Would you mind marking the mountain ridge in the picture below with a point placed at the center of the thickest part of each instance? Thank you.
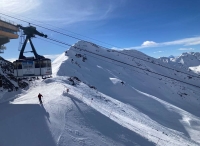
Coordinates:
(108, 103)
(187, 61)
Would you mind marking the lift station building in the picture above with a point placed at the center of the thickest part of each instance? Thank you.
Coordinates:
(8, 30)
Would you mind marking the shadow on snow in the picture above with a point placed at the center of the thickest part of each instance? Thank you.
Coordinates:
(24, 124)
(109, 128)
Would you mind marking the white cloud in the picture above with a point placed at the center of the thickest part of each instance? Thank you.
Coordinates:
(59, 12)
(18, 6)
(73, 11)
(196, 42)
(186, 49)
(185, 42)
(158, 52)
(149, 44)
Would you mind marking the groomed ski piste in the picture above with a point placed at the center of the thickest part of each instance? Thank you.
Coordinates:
(108, 103)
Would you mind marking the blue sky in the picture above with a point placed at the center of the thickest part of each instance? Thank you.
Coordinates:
(157, 27)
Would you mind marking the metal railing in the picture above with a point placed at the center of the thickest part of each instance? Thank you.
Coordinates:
(8, 21)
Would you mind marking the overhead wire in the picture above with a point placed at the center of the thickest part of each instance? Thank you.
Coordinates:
(41, 26)
(123, 62)
(102, 46)
(50, 42)
(95, 53)
(123, 66)
(101, 59)
(44, 27)
(63, 30)
(120, 66)
(122, 52)
(137, 71)
(113, 60)
(158, 64)
(152, 62)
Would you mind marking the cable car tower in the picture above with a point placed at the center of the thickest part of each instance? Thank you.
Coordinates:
(31, 66)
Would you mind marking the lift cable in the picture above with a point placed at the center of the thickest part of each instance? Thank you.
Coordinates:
(150, 62)
(62, 29)
(102, 46)
(50, 42)
(137, 71)
(122, 62)
(117, 65)
(42, 27)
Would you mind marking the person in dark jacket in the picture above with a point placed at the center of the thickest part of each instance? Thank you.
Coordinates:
(40, 98)
(67, 90)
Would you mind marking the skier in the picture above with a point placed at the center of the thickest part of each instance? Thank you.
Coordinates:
(67, 90)
(39, 97)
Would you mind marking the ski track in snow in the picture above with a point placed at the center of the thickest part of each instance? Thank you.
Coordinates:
(136, 121)
(121, 113)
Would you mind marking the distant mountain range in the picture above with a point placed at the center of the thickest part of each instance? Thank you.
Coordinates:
(189, 61)
(171, 56)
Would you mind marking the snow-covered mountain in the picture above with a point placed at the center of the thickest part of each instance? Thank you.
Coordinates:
(171, 56)
(117, 102)
(9, 83)
(189, 61)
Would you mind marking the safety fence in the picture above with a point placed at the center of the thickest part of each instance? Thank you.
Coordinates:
(7, 20)
(112, 115)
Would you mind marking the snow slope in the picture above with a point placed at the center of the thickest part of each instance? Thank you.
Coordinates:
(9, 83)
(108, 103)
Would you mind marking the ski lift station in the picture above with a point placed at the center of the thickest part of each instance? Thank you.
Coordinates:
(8, 30)
(31, 66)
(24, 66)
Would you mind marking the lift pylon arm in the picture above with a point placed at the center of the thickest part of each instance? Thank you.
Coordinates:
(31, 31)
(31, 66)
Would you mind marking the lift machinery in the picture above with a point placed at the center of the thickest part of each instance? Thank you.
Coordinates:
(31, 66)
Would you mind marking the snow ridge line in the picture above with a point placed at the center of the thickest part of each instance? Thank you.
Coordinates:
(134, 66)
(168, 105)
(115, 116)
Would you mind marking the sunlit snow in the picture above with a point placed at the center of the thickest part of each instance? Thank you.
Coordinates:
(108, 103)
